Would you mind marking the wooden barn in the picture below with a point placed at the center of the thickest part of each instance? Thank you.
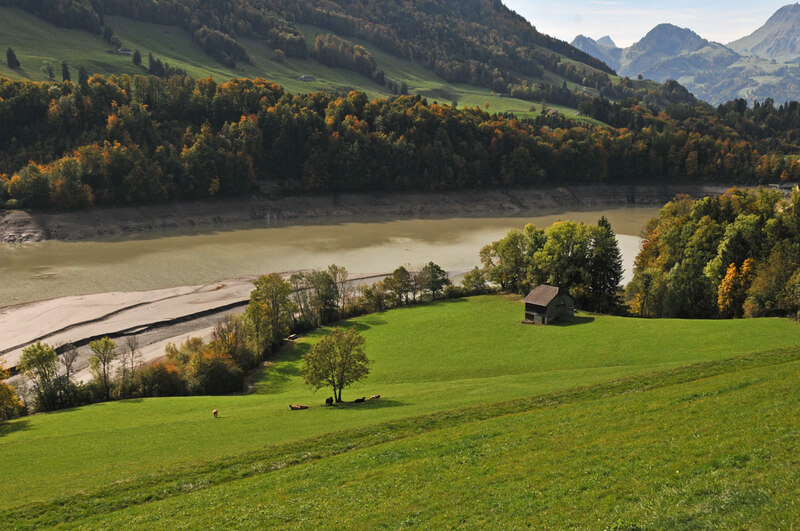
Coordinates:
(544, 304)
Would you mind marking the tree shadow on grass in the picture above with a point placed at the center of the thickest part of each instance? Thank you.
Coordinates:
(363, 324)
(9, 427)
(571, 321)
(380, 403)
(277, 375)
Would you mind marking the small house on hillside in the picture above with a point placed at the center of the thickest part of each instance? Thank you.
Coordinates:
(546, 303)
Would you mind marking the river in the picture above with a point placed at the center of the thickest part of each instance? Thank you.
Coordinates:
(48, 269)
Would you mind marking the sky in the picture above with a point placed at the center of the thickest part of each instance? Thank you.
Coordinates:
(627, 21)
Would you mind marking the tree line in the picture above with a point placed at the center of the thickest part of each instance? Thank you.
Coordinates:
(736, 255)
(143, 139)
(277, 308)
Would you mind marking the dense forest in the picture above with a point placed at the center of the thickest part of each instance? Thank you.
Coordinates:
(145, 139)
(737, 255)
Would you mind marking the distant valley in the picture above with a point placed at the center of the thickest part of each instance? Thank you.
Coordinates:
(764, 64)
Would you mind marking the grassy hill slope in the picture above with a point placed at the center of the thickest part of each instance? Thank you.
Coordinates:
(36, 41)
(428, 359)
(689, 455)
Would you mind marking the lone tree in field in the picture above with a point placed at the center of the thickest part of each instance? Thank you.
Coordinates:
(100, 363)
(136, 58)
(11, 59)
(336, 361)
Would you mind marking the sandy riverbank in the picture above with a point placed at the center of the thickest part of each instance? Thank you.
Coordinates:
(156, 317)
(111, 223)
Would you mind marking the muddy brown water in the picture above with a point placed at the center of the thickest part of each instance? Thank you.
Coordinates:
(50, 269)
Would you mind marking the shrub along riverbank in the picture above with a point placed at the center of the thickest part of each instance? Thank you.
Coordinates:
(239, 343)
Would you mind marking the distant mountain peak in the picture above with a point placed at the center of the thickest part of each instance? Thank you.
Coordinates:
(778, 38)
(789, 10)
(669, 40)
(600, 50)
(606, 41)
(710, 70)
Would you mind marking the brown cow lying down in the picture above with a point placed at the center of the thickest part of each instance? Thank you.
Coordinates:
(374, 397)
(295, 407)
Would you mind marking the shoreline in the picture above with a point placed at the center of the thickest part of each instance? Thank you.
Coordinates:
(156, 316)
(109, 224)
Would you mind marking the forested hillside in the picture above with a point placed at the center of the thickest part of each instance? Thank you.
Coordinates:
(174, 134)
(478, 42)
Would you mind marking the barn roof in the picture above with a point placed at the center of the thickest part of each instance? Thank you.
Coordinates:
(542, 295)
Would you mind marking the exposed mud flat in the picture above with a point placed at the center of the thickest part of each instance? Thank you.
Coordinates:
(115, 223)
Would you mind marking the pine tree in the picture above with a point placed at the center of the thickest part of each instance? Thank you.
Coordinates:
(65, 75)
(83, 76)
(11, 59)
(137, 58)
(606, 269)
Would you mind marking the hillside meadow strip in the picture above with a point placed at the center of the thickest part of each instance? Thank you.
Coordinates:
(474, 353)
(574, 454)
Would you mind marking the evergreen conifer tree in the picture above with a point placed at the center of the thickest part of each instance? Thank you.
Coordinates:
(83, 76)
(65, 75)
(11, 59)
(606, 268)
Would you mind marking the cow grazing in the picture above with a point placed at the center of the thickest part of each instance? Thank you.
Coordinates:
(359, 400)
(215, 413)
(296, 407)
(374, 397)
(329, 401)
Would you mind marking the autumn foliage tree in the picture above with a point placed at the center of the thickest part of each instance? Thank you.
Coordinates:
(732, 290)
(732, 255)
(10, 405)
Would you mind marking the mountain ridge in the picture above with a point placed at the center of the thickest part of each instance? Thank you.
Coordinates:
(778, 38)
(762, 65)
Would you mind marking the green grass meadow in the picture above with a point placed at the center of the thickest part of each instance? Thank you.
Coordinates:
(36, 41)
(446, 372)
(719, 452)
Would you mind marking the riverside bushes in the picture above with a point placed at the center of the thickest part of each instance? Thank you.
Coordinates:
(238, 344)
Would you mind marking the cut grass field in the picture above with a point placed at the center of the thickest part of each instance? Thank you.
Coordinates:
(36, 41)
(713, 452)
(448, 366)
